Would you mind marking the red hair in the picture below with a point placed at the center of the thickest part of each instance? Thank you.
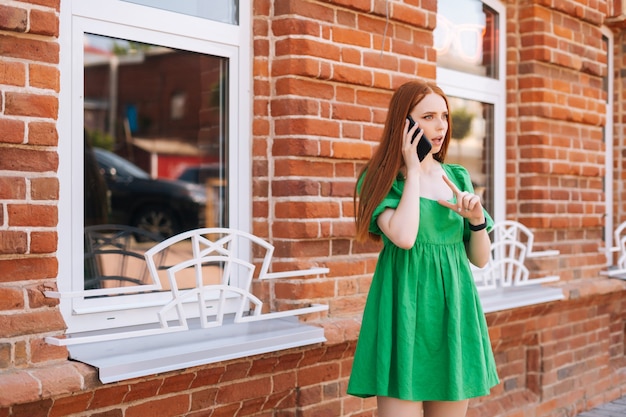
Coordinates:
(382, 169)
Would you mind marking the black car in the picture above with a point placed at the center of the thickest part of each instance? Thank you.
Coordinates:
(166, 207)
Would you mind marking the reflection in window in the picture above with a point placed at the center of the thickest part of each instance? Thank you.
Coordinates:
(225, 11)
(466, 37)
(472, 144)
(155, 152)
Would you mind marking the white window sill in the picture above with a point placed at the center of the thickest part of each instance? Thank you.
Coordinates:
(513, 297)
(131, 358)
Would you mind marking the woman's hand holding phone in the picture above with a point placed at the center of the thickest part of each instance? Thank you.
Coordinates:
(423, 146)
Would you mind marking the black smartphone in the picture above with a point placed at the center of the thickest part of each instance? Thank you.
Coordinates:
(424, 146)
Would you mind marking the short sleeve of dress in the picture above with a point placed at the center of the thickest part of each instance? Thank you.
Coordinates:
(391, 200)
(462, 179)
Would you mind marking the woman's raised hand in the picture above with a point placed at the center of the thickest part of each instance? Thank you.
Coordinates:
(468, 205)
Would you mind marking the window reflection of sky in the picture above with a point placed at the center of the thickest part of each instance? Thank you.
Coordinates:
(219, 10)
(460, 28)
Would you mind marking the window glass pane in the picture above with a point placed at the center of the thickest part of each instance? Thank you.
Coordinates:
(466, 37)
(472, 144)
(155, 152)
(226, 11)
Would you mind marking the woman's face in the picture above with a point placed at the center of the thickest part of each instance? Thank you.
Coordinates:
(431, 114)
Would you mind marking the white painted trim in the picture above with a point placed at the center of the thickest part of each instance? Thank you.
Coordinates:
(145, 24)
(490, 91)
(609, 144)
(117, 361)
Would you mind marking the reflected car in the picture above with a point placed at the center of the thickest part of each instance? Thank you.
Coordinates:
(200, 174)
(161, 206)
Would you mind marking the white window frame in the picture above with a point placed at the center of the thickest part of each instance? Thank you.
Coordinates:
(490, 91)
(609, 152)
(155, 26)
(493, 91)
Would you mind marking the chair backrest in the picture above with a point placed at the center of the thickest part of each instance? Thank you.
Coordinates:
(196, 245)
(114, 258)
(507, 255)
(512, 231)
(508, 272)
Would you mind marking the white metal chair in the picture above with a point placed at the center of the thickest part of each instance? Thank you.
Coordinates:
(219, 247)
(617, 270)
(512, 246)
(198, 253)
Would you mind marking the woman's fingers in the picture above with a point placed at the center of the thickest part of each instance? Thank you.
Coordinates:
(465, 202)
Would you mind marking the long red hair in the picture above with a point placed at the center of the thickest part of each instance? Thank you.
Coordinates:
(384, 166)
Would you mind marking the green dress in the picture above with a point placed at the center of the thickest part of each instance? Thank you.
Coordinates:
(424, 335)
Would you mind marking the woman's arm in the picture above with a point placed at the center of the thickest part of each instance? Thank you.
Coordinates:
(479, 245)
(401, 224)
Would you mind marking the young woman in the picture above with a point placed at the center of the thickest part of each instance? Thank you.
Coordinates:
(424, 345)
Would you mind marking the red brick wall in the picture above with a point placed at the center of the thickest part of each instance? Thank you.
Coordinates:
(321, 86)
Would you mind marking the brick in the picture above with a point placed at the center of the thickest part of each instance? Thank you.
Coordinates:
(44, 188)
(12, 73)
(18, 387)
(5, 356)
(30, 49)
(306, 209)
(43, 242)
(21, 356)
(176, 383)
(110, 413)
(108, 396)
(32, 215)
(13, 242)
(53, 4)
(31, 323)
(37, 408)
(318, 373)
(41, 352)
(208, 377)
(44, 23)
(12, 188)
(302, 126)
(203, 399)
(18, 159)
(352, 150)
(42, 133)
(236, 370)
(13, 19)
(71, 405)
(244, 389)
(305, 290)
(44, 76)
(296, 230)
(37, 298)
(142, 390)
(11, 131)
(11, 298)
(32, 268)
(58, 380)
(32, 105)
(162, 407)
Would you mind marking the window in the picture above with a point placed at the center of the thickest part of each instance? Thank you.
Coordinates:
(156, 119)
(470, 68)
(471, 62)
(157, 106)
